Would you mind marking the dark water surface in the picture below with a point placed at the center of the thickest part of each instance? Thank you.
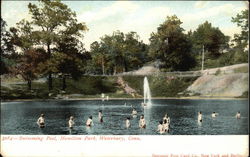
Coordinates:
(21, 117)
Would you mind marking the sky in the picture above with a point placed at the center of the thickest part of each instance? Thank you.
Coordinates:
(143, 17)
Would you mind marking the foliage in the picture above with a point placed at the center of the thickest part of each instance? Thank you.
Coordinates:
(213, 40)
(171, 46)
(28, 64)
(118, 52)
(55, 24)
(242, 21)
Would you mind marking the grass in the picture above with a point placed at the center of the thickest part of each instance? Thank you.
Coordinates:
(93, 86)
(243, 69)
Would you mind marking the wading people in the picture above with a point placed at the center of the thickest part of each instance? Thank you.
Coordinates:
(100, 116)
(71, 122)
(127, 122)
(165, 117)
(214, 114)
(142, 122)
(41, 121)
(237, 115)
(166, 126)
(199, 116)
(160, 128)
(89, 122)
(134, 112)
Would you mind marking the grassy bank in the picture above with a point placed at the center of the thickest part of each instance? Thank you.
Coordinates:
(93, 86)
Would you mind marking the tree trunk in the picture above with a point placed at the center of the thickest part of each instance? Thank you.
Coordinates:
(64, 82)
(50, 75)
(103, 70)
(29, 84)
(114, 70)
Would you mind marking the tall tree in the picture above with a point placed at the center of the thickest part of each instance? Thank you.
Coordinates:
(242, 21)
(28, 64)
(170, 45)
(51, 19)
(118, 52)
(8, 55)
(213, 40)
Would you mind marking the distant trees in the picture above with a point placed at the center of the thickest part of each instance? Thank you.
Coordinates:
(118, 52)
(241, 40)
(241, 20)
(51, 43)
(171, 46)
(213, 40)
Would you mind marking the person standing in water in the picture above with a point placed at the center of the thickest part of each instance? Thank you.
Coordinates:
(134, 112)
(71, 122)
(166, 126)
(100, 116)
(160, 128)
(89, 122)
(165, 117)
(237, 115)
(41, 121)
(199, 116)
(127, 122)
(213, 115)
(142, 122)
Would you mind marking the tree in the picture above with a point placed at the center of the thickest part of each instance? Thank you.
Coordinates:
(170, 45)
(118, 52)
(213, 40)
(63, 65)
(8, 54)
(52, 20)
(242, 21)
(28, 64)
(242, 39)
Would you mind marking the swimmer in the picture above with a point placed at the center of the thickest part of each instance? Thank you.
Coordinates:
(127, 122)
(134, 112)
(71, 122)
(166, 126)
(165, 117)
(237, 115)
(41, 121)
(100, 116)
(142, 122)
(143, 104)
(89, 122)
(160, 128)
(213, 115)
(199, 116)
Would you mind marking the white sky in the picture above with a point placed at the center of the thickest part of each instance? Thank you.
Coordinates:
(143, 17)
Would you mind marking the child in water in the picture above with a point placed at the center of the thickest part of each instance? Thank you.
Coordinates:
(127, 122)
(100, 116)
(142, 122)
(41, 121)
(214, 114)
(166, 126)
(71, 122)
(199, 116)
(134, 112)
(89, 122)
(160, 128)
(237, 115)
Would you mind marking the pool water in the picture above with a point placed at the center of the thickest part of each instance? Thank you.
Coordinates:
(20, 117)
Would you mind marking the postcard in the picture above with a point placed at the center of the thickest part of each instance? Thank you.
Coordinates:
(124, 78)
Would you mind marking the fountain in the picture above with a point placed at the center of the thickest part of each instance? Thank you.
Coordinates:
(146, 93)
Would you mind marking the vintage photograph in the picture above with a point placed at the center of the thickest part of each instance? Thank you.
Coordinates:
(124, 68)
